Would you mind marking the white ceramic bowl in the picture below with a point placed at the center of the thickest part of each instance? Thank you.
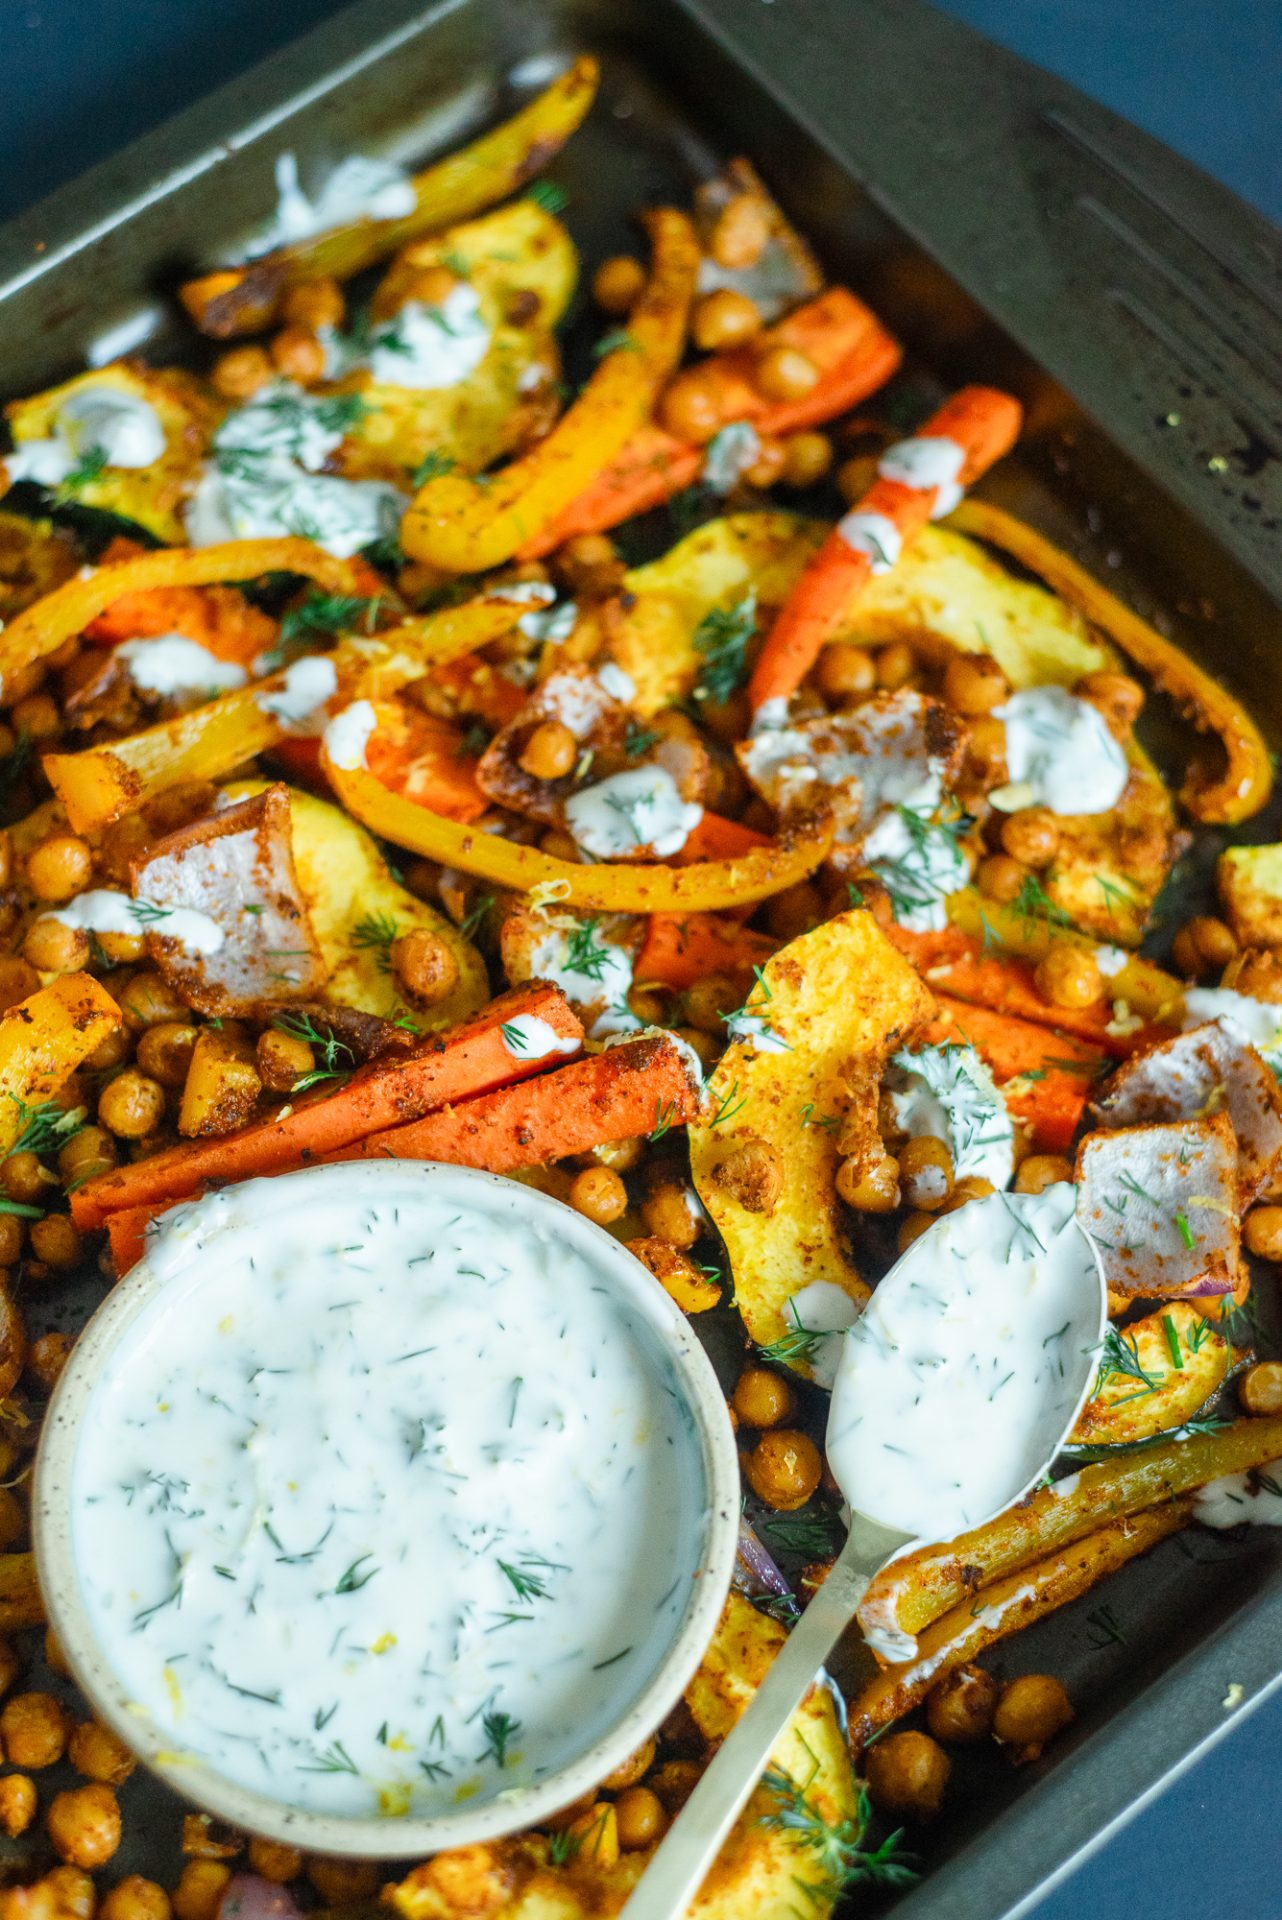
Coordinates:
(655, 1323)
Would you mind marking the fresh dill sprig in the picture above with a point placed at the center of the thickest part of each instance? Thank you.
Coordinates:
(835, 1847)
(638, 739)
(356, 1576)
(333, 1759)
(500, 1731)
(301, 1026)
(664, 1119)
(546, 194)
(45, 1126)
(1120, 1359)
(91, 466)
(721, 640)
(325, 614)
(1032, 903)
(470, 924)
(376, 932)
(617, 340)
(730, 1104)
(584, 953)
(433, 466)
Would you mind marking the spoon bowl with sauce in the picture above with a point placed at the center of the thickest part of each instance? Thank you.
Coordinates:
(954, 1392)
(385, 1507)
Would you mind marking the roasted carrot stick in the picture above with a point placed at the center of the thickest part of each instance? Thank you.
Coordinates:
(716, 838)
(679, 949)
(1045, 1077)
(626, 1091)
(450, 1066)
(854, 354)
(126, 1232)
(984, 425)
(424, 758)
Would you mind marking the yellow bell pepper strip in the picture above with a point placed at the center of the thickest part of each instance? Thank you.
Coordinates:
(1247, 779)
(245, 299)
(464, 526)
(42, 1042)
(41, 628)
(1007, 1607)
(609, 888)
(917, 1588)
(1147, 989)
(210, 741)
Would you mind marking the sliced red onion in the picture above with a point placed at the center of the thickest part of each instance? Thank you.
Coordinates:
(755, 1571)
(247, 1896)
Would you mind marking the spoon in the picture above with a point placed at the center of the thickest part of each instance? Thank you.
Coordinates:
(954, 1392)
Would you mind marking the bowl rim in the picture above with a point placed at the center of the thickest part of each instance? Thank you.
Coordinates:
(368, 1837)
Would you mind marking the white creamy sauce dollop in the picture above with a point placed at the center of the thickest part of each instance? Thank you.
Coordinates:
(932, 460)
(105, 910)
(872, 534)
(728, 455)
(357, 188)
(920, 863)
(962, 1373)
(299, 703)
(1060, 750)
(1242, 1499)
(822, 1308)
(529, 1038)
(386, 1512)
(754, 1030)
(121, 428)
(949, 1092)
(169, 664)
(590, 970)
(428, 347)
(638, 809)
(1259, 1022)
(348, 735)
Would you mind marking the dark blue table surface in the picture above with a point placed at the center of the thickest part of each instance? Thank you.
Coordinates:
(77, 81)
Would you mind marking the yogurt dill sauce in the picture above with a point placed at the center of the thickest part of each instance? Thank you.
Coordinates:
(971, 1359)
(380, 1510)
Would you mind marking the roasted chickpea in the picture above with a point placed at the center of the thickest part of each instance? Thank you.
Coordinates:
(724, 319)
(926, 1172)
(1069, 976)
(54, 947)
(912, 1226)
(24, 1177)
(693, 1290)
(907, 1774)
(634, 1768)
(88, 1152)
(591, 566)
(752, 1174)
(870, 1186)
(34, 1729)
(274, 1859)
(845, 671)
(200, 1889)
(763, 1398)
(784, 1468)
(18, 980)
(424, 964)
(960, 1707)
(550, 752)
(430, 286)
(1031, 1711)
(701, 1044)
(1031, 835)
(1001, 878)
(671, 1213)
(1262, 1230)
(149, 999)
(314, 303)
(640, 1817)
(134, 1898)
(85, 1824)
(674, 1782)
(785, 373)
(986, 752)
(806, 458)
(164, 1051)
(709, 999)
(132, 1105)
(56, 1241)
(1203, 946)
(298, 355)
(768, 465)
(599, 1194)
(974, 684)
(38, 716)
(740, 232)
(17, 1803)
(972, 1186)
(1118, 698)
(11, 1230)
(1041, 1170)
(649, 1004)
(896, 664)
(691, 407)
(59, 868)
(239, 374)
(1260, 1388)
(95, 1751)
(342, 1882)
(617, 282)
(46, 1358)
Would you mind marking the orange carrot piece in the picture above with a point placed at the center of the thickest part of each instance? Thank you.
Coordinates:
(679, 949)
(616, 1095)
(716, 838)
(1044, 1076)
(469, 1059)
(845, 340)
(424, 758)
(126, 1234)
(984, 424)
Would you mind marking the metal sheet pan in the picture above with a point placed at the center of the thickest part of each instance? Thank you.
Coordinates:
(1008, 229)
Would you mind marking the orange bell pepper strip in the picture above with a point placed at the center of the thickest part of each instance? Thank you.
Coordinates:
(985, 425)
(245, 299)
(842, 337)
(1043, 1077)
(609, 887)
(464, 526)
(44, 1039)
(42, 627)
(210, 741)
(1247, 779)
